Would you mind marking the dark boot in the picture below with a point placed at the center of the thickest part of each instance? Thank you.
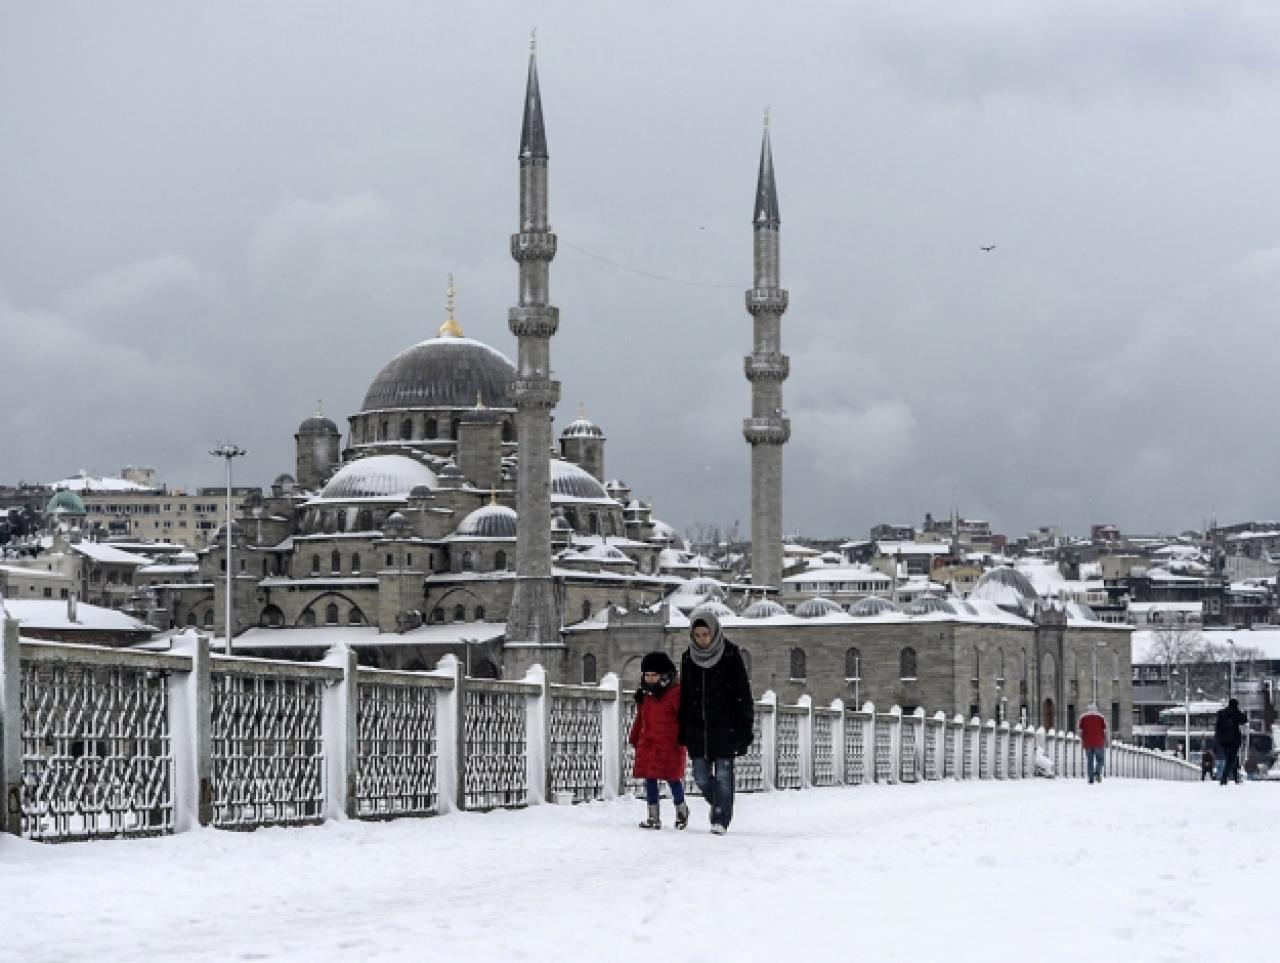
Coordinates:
(653, 821)
(682, 815)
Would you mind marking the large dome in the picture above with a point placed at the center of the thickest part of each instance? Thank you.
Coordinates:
(489, 521)
(568, 481)
(443, 372)
(1007, 588)
(378, 477)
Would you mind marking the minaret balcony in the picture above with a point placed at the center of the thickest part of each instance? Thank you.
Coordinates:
(533, 321)
(535, 392)
(533, 246)
(766, 300)
(766, 431)
(766, 366)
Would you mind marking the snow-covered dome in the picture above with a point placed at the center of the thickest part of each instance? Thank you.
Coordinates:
(450, 476)
(817, 607)
(718, 609)
(378, 476)
(606, 553)
(1078, 610)
(318, 424)
(1007, 588)
(581, 427)
(443, 372)
(489, 521)
(570, 481)
(703, 586)
(664, 532)
(872, 605)
(928, 604)
(763, 609)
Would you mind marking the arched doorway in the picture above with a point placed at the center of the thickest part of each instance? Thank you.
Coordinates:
(1047, 715)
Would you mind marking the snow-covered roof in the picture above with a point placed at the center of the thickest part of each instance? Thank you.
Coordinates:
(857, 573)
(100, 552)
(912, 548)
(52, 614)
(364, 636)
(85, 483)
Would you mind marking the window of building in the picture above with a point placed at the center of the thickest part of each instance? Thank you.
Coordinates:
(315, 564)
(355, 563)
(907, 663)
(853, 663)
(433, 428)
(437, 614)
(406, 429)
(408, 559)
(308, 618)
(459, 613)
(331, 614)
(588, 669)
(355, 617)
(335, 563)
(390, 560)
(468, 561)
(500, 560)
(798, 667)
(479, 616)
(586, 609)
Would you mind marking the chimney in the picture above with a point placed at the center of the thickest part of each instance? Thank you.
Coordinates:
(71, 607)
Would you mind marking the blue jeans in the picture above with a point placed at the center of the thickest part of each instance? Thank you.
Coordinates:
(651, 791)
(1094, 759)
(715, 778)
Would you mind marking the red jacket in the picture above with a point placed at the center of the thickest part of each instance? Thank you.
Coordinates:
(1093, 730)
(658, 754)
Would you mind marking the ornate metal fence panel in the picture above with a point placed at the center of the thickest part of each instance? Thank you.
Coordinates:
(494, 734)
(748, 770)
(949, 752)
(984, 755)
(999, 753)
(932, 728)
(1029, 756)
(883, 749)
(966, 770)
(631, 785)
(909, 751)
(396, 750)
(97, 759)
(788, 772)
(1013, 764)
(824, 766)
(576, 755)
(855, 754)
(267, 753)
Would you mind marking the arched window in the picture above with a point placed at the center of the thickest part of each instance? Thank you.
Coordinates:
(500, 560)
(315, 564)
(798, 667)
(459, 613)
(355, 563)
(907, 663)
(468, 561)
(586, 609)
(433, 428)
(595, 523)
(272, 616)
(264, 568)
(191, 618)
(365, 520)
(406, 429)
(484, 669)
(852, 663)
(331, 614)
(437, 614)
(355, 617)
(335, 563)
(479, 616)
(588, 669)
(508, 432)
(382, 430)
(208, 619)
(308, 618)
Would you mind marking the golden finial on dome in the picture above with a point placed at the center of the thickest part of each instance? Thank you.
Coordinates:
(450, 328)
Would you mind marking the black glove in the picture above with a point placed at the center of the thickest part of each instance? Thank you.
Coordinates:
(639, 696)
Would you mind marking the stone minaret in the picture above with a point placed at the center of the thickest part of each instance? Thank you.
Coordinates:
(767, 430)
(534, 617)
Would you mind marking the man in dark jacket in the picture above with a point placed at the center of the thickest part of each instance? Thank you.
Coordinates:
(717, 713)
(1226, 730)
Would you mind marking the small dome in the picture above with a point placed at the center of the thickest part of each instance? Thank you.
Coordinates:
(817, 607)
(379, 476)
(489, 521)
(284, 481)
(420, 491)
(570, 481)
(581, 427)
(561, 524)
(65, 503)
(718, 609)
(318, 424)
(1007, 588)
(704, 586)
(450, 476)
(763, 609)
(615, 485)
(444, 372)
(927, 604)
(872, 605)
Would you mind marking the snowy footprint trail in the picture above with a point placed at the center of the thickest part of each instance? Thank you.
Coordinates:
(941, 871)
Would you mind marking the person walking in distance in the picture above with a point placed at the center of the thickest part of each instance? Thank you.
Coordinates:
(1093, 738)
(717, 713)
(654, 734)
(1226, 730)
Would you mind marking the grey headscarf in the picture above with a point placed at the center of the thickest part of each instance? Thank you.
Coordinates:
(706, 658)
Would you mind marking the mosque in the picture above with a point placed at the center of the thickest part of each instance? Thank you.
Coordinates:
(449, 523)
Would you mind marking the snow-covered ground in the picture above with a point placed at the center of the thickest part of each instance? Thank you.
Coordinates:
(1031, 870)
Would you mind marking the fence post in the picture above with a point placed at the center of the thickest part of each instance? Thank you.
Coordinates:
(611, 736)
(11, 730)
(769, 740)
(340, 704)
(895, 745)
(537, 737)
(190, 715)
(451, 780)
(837, 742)
(805, 702)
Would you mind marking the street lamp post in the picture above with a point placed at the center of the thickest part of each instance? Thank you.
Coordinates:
(1095, 670)
(1186, 711)
(227, 452)
(1231, 683)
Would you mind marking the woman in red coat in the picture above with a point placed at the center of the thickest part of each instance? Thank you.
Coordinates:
(659, 754)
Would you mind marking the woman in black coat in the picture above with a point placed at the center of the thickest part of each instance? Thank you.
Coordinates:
(717, 713)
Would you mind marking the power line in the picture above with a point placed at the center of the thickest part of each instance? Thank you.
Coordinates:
(647, 274)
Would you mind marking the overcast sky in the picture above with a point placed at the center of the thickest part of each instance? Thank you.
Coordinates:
(213, 214)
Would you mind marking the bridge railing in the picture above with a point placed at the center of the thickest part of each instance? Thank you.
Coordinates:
(100, 742)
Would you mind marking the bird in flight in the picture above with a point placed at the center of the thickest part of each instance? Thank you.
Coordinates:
(988, 247)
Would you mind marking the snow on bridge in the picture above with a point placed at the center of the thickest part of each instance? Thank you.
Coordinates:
(976, 870)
